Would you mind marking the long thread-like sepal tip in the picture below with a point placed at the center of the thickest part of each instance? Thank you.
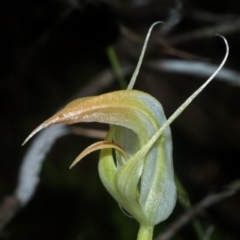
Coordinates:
(134, 76)
(33, 133)
(187, 102)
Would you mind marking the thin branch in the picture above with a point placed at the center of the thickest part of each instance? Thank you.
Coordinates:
(8, 208)
(32, 161)
(208, 201)
(208, 32)
(185, 202)
(196, 68)
(101, 82)
(29, 172)
(210, 17)
(87, 132)
(165, 46)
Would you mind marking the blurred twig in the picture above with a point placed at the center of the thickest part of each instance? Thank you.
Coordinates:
(92, 133)
(195, 68)
(32, 161)
(164, 44)
(8, 208)
(208, 32)
(211, 17)
(29, 172)
(208, 201)
(185, 201)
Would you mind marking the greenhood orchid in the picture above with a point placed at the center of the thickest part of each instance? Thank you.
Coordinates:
(135, 163)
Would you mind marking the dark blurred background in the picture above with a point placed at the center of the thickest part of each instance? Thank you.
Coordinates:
(51, 49)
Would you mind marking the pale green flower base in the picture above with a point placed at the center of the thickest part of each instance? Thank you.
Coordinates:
(145, 233)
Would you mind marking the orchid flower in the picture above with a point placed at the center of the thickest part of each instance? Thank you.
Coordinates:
(135, 163)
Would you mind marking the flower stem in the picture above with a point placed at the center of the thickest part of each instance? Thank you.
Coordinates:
(145, 233)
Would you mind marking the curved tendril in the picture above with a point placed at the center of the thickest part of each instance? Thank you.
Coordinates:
(134, 76)
(154, 138)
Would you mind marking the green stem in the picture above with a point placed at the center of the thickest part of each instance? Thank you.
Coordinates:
(116, 66)
(145, 233)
